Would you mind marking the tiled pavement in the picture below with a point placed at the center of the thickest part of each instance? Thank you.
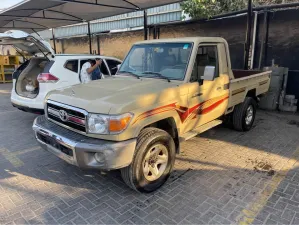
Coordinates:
(221, 177)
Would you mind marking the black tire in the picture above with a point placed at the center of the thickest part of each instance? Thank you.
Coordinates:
(133, 175)
(240, 112)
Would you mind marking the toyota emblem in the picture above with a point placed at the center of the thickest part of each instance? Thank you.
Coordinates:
(63, 115)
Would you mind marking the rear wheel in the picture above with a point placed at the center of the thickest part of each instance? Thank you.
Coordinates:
(244, 115)
(153, 161)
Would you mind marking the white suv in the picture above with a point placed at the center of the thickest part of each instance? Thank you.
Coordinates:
(47, 70)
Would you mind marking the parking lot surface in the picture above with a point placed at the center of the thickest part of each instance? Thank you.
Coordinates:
(220, 177)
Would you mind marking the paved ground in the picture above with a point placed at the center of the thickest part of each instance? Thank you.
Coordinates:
(222, 177)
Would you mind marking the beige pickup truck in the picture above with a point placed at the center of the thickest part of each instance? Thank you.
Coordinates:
(165, 92)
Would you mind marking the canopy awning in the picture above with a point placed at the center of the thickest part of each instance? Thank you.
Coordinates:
(39, 15)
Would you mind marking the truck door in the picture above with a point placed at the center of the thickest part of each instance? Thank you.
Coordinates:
(209, 86)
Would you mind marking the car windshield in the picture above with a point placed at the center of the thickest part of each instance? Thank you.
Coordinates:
(159, 60)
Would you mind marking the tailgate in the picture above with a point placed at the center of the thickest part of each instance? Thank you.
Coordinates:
(239, 87)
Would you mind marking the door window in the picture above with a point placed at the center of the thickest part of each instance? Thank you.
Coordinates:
(112, 64)
(103, 66)
(72, 65)
(207, 58)
(104, 69)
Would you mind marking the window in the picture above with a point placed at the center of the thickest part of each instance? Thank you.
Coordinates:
(112, 64)
(206, 57)
(103, 66)
(104, 69)
(72, 65)
(153, 60)
(82, 63)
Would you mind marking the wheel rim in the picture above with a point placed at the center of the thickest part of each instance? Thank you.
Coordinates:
(249, 115)
(155, 162)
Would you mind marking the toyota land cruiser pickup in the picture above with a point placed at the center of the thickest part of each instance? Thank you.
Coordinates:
(165, 91)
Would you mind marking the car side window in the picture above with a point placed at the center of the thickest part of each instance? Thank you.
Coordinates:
(112, 64)
(207, 56)
(72, 65)
(104, 69)
(103, 66)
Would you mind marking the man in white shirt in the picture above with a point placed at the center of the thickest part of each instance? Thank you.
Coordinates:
(88, 68)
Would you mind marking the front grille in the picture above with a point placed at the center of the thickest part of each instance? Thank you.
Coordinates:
(53, 143)
(66, 116)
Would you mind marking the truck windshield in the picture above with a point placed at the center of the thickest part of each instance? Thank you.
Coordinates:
(159, 60)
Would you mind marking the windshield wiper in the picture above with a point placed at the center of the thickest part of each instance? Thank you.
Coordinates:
(157, 74)
(131, 73)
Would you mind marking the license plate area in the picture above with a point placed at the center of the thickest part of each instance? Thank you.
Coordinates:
(53, 143)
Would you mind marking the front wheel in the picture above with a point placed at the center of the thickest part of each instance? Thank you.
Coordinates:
(244, 115)
(152, 162)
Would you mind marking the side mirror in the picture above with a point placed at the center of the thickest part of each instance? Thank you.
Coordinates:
(209, 73)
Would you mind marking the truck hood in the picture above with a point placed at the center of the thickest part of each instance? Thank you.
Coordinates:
(116, 95)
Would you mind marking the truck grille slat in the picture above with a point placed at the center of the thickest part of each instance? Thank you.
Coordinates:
(67, 116)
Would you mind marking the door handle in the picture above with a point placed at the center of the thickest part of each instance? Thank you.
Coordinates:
(196, 95)
(218, 88)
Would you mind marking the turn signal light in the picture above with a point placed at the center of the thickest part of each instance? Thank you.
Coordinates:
(118, 124)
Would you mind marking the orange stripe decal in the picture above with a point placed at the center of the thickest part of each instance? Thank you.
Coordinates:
(185, 112)
(212, 107)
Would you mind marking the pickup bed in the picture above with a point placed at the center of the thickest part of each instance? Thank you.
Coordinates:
(166, 91)
(247, 83)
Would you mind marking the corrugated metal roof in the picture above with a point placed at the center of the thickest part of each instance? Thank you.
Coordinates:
(167, 13)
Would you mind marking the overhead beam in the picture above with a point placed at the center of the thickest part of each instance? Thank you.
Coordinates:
(22, 21)
(49, 10)
(29, 28)
(67, 14)
(136, 6)
(40, 17)
(94, 4)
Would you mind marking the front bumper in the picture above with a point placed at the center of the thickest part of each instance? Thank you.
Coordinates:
(80, 150)
(28, 109)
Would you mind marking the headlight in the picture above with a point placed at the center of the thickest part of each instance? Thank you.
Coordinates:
(98, 124)
(105, 124)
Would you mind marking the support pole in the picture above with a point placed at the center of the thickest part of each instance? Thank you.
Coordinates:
(248, 36)
(98, 45)
(263, 39)
(266, 40)
(145, 24)
(89, 37)
(54, 40)
(254, 40)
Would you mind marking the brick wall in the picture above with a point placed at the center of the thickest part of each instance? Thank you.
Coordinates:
(114, 44)
(118, 44)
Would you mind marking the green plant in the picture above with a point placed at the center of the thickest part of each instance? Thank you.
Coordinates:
(198, 9)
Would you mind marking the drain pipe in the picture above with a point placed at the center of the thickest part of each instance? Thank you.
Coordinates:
(254, 40)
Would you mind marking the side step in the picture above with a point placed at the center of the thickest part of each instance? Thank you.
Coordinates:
(200, 130)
